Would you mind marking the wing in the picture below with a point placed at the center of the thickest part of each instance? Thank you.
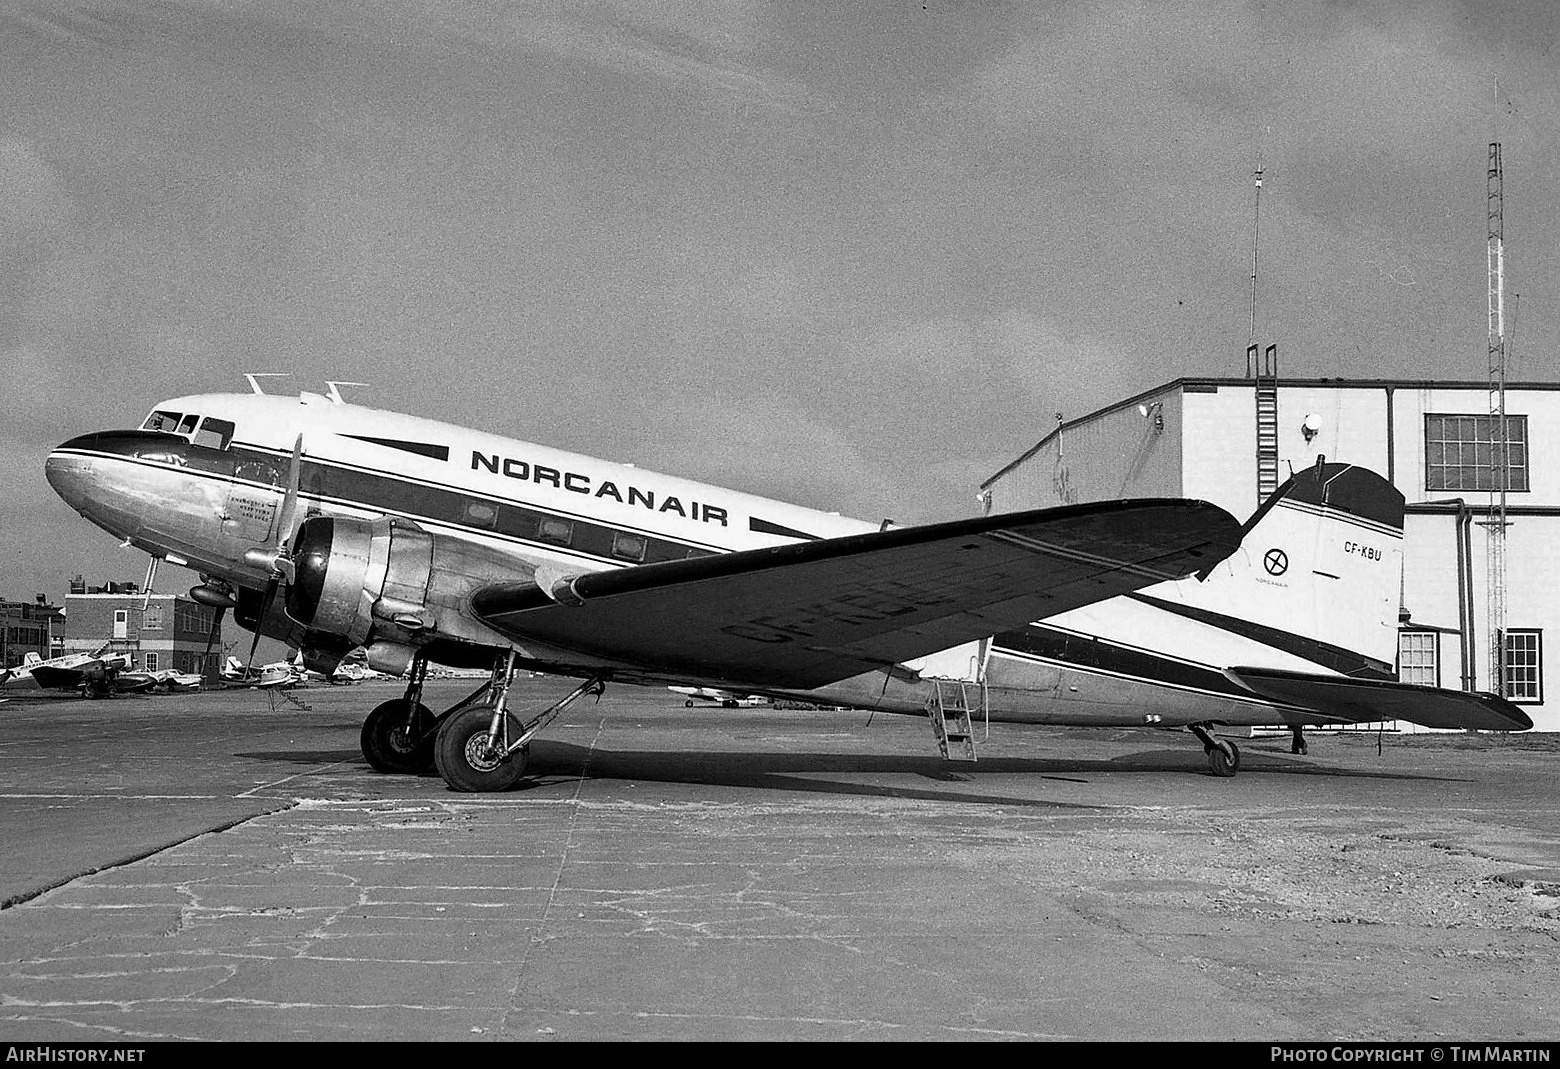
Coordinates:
(1366, 700)
(805, 614)
(55, 678)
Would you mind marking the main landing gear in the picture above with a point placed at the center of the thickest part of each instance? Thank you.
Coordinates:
(477, 745)
(1223, 755)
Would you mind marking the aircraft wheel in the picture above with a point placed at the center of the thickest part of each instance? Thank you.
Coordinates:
(465, 759)
(688, 704)
(1224, 758)
(390, 747)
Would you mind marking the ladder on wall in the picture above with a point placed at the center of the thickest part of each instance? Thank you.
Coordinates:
(1264, 370)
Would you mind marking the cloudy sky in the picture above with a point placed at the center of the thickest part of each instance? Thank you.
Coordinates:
(853, 255)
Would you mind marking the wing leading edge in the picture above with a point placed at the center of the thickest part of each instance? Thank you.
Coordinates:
(806, 614)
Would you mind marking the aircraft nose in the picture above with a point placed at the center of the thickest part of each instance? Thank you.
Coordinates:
(69, 471)
(87, 474)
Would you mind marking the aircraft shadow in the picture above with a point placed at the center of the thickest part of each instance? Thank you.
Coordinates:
(552, 761)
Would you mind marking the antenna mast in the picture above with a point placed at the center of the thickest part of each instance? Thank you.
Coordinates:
(1495, 541)
(1256, 234)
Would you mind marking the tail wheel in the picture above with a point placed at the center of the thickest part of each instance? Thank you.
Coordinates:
(1224, 758)
(467, 759)
(397, 740)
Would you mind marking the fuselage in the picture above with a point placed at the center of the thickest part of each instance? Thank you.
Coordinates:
(202, 480)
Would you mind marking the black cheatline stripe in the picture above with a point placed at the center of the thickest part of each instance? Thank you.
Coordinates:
(422, 449)
(371, 490)
(1343, 661)
(765, 527)
(1085, 652)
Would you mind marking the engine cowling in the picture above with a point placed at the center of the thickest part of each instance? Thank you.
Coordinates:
(390, 584)
(351, 575)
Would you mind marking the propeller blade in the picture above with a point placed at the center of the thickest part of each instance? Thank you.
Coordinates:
(211, 638)
(284, 523)
(265, 610)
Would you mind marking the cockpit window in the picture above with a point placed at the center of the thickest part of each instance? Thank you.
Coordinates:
(214, 433)
(211, 432)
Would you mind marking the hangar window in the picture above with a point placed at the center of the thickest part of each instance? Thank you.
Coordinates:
(1525, 666)
(1419, 660)
(1460, 453)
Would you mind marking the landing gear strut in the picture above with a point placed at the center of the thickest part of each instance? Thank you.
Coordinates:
(399, 735)
(485, 747)
(1223, 755)
(1298, 745)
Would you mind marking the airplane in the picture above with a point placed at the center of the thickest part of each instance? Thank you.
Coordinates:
(171, 680)
(331, 526)
(267, 676)
(729, 699)
(92, 672)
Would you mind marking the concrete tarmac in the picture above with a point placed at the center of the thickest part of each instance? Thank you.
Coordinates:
(225, 866)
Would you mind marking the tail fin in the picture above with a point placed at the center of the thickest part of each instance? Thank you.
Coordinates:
(32, 658)
(1318, 574)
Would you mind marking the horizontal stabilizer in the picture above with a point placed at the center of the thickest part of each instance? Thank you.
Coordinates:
(1368, 700)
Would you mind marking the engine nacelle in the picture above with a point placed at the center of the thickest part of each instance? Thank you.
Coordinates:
(388, 583)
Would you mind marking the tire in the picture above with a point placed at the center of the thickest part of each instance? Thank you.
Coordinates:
(387, 745)
(1224, 759)
(460, 753)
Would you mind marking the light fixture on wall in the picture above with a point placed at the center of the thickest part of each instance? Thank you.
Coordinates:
(1310, 427)
(1155, 409)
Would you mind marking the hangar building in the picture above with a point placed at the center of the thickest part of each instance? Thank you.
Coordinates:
(158, 631)
(1232, 441)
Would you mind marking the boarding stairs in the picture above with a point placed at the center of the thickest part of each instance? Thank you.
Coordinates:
(952, 709)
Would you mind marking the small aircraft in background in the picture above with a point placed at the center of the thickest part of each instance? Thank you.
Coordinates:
(172, 680)
(729, 699)
(93, 671)
(276, 674)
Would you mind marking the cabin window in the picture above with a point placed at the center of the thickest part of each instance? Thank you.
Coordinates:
(163, 421)
(258, 471)
(481, 513)
(214, 433)
(559, 532)
(627, 546)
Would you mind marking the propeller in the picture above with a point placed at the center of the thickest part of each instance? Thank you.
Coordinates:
(211, 638)
(278, 557)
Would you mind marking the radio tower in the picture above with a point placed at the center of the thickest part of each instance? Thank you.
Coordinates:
(1495, 540)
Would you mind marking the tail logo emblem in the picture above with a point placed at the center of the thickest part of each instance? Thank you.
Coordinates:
(1276, 561)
